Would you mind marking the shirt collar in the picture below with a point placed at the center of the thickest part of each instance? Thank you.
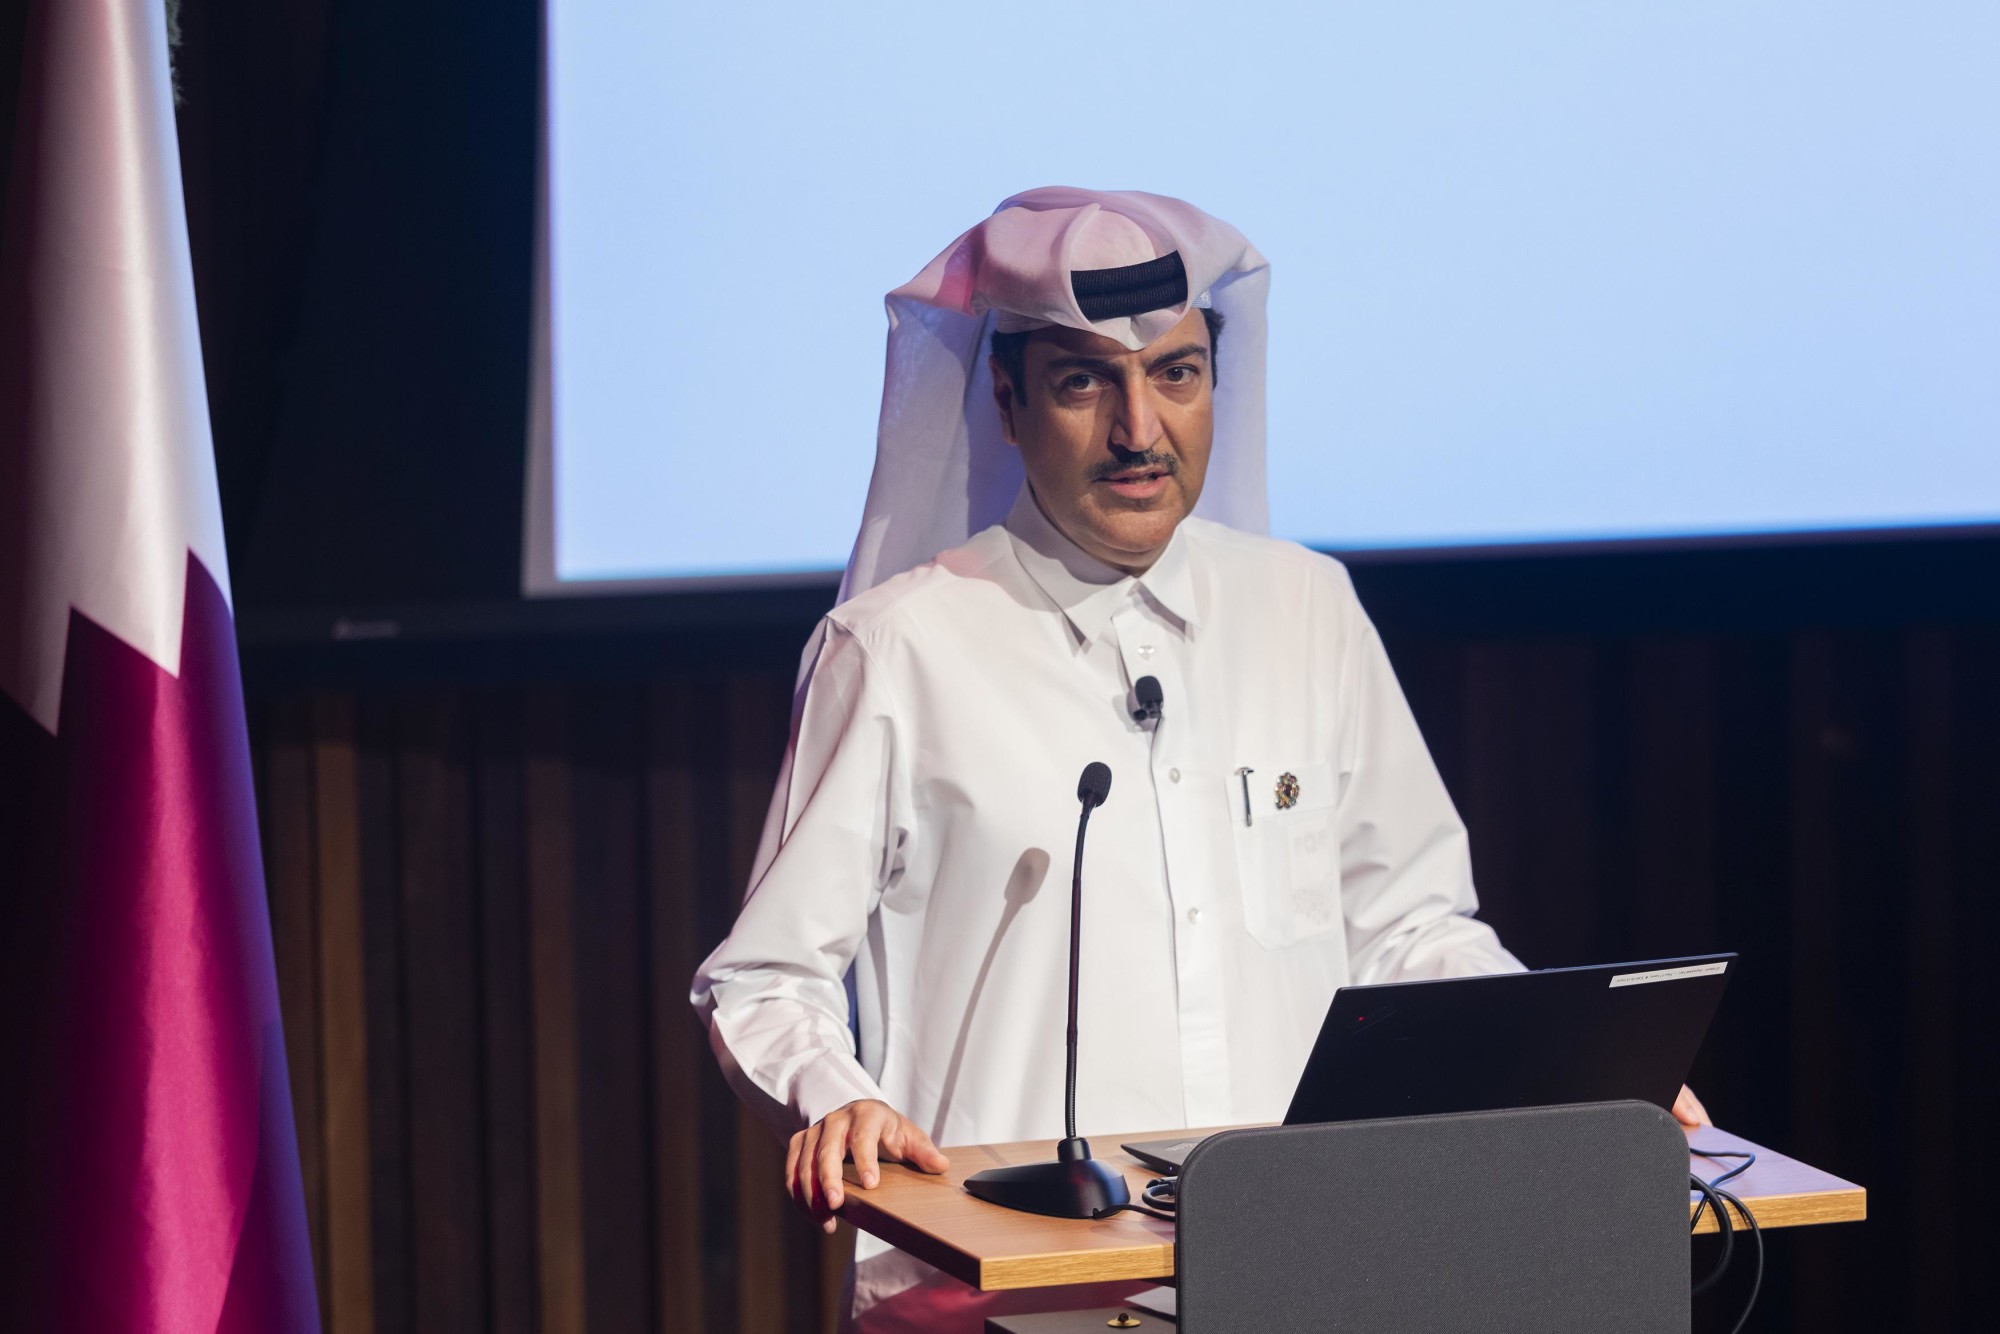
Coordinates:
(1087, 590)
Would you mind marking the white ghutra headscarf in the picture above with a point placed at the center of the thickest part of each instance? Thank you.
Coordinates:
(1122, 264)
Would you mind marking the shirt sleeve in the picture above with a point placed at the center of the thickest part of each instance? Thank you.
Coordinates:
(773, 993)
(1405, 864)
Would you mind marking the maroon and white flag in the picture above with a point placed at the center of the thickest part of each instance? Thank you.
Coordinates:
(149, 1173)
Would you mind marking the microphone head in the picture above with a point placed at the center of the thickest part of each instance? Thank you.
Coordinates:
(1095, 785)
(1147, 689)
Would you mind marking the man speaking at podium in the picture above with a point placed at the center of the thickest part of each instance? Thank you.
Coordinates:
(1069, 497)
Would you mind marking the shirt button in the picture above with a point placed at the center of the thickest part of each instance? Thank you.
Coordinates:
(1145, 650)
(1173, 775)
(1194, 916)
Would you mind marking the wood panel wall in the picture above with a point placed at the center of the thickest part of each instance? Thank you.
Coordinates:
(488, 902)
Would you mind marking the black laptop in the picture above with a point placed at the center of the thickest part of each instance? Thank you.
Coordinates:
(1469, 1044)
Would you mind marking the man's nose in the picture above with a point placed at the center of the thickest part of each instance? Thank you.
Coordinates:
(1137, 424)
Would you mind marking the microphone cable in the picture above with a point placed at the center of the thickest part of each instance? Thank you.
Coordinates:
(1749, 1161)
(1160, 1199)
(1712, 1193)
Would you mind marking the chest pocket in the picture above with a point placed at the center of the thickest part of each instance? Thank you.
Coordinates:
(1287, 852)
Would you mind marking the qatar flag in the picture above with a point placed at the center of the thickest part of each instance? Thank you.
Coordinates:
(149, 1175)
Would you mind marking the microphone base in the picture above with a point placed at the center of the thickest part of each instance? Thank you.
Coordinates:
(1080, 1188)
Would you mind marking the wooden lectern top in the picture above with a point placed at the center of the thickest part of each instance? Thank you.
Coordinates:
(993, 1248)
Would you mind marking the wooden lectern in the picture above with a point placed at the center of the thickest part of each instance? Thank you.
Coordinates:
(1538, 1218)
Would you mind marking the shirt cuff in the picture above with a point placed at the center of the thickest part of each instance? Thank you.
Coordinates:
(829, 1084)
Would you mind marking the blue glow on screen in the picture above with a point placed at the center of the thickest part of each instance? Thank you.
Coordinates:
(1541, 271)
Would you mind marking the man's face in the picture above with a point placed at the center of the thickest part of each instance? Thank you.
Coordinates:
(1115, 442)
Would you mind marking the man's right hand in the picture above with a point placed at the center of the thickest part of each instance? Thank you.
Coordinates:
(868, 1131)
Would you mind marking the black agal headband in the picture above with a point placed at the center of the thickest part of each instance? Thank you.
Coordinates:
(1108, 294)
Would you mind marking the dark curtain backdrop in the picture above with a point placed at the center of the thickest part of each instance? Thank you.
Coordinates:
(496, 852)
(487, 905)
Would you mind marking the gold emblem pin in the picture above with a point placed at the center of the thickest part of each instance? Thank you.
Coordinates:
(1288, 791)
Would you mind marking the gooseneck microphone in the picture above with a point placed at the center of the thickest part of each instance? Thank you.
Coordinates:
(1093, 785)
(1151, 699)
(1073, 1186)
(1091, 789)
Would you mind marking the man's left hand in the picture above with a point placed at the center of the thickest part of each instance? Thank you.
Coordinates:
(1688, 1109)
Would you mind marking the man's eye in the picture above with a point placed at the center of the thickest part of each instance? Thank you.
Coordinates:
(1079, 383)
(1180, 374)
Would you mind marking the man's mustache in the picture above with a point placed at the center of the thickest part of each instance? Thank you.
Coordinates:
(1146, 460)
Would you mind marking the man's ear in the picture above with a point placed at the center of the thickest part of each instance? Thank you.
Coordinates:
(1003, 398)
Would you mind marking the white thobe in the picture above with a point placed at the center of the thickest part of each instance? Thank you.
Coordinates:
(1280, 832)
